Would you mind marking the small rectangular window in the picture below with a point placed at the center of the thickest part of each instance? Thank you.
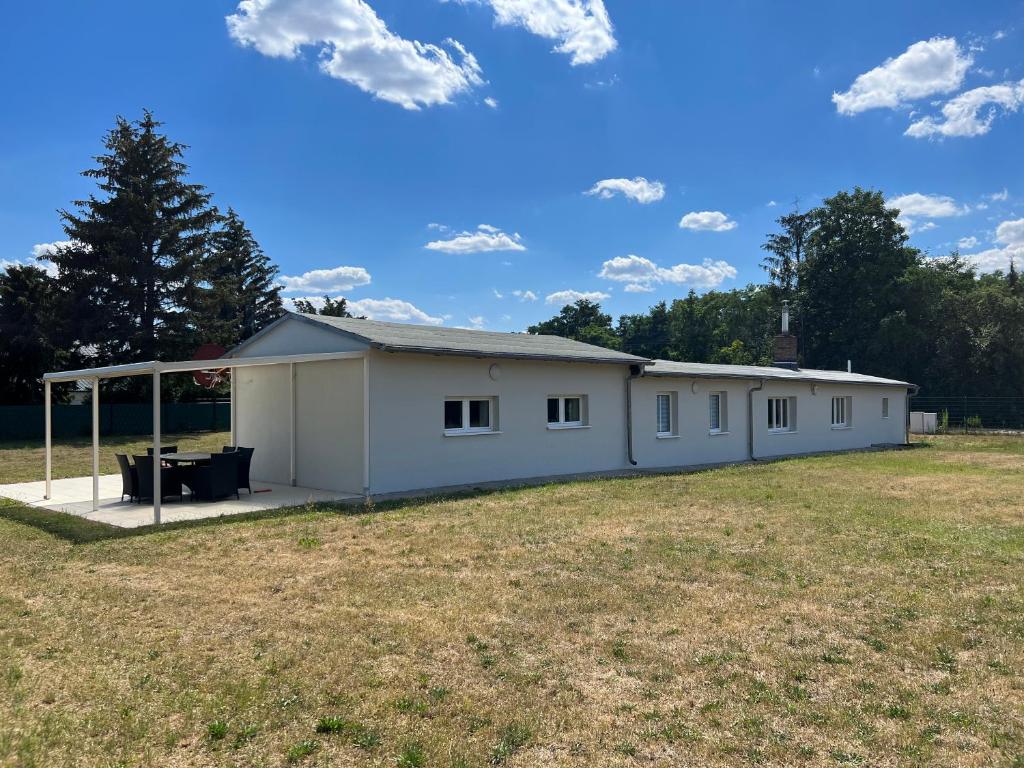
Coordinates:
(885, 407)
(781, 414)
(717, 412)
(567, 411)
(841, 412)
(664, 413)
(469, 415)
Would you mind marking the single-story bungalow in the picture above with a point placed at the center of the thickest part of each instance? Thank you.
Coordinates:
(401, 408)
(355, 408)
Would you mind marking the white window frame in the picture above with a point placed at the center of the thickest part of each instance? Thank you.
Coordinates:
(781, 414)
(840, 412)
(885, 407)
(723, 417)
(465, 429)
(672, 417)
(562, 423)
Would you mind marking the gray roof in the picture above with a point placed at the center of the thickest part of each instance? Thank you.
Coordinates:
(402, 337)
(713, 371)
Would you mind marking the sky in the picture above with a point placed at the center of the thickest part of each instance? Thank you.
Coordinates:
(480, 163)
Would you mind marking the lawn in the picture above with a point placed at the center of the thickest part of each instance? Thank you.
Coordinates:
(858, 609)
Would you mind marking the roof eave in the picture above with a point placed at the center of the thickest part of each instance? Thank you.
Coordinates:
(755, 376)
(446, 352)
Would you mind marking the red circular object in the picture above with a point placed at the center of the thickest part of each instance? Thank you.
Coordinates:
(208, 379)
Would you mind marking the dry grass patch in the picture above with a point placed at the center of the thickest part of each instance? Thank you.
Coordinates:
(809, 612)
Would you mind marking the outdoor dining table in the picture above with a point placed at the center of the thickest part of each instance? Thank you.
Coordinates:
(185, 457)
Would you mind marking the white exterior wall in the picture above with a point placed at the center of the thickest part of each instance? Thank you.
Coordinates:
(693, 443)
(814, 430)
(328, 423)
(408, 447)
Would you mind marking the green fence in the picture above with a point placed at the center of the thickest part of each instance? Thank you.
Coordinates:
(27, 422)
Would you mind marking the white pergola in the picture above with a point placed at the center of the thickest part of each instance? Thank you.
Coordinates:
(155, 370)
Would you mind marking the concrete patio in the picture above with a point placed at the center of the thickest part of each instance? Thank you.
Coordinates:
(74, 497)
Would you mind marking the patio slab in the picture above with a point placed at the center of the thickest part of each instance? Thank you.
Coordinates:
(74, 496)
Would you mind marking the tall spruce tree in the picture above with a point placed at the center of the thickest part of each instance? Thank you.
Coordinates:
(136, 250)
(237, 295)
(27, 320)
(786, 250)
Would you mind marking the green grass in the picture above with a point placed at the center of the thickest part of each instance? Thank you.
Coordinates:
(857, 609)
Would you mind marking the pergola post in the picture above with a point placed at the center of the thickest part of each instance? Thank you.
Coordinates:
(157, 491)
(291, 451)
(95, 444)
(49, 439)
(234, 408)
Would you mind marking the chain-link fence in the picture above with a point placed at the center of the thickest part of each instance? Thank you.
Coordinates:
(972, 412)
(27, 422)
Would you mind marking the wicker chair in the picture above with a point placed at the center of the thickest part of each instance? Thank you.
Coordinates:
(170, 479)
(129, 478)
(217, 480)
(244, 462)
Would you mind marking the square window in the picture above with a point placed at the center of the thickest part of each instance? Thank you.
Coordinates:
(469, 415)
(781, 414)
(567, 411)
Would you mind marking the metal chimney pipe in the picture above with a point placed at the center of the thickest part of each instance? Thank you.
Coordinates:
(849, 366)
(785, 316)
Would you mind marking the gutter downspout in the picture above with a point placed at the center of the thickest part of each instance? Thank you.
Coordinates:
(635, 372)
(750, 418)
(915, 389)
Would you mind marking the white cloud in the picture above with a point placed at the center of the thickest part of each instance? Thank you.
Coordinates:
(561, 298)
(395, 310)
(964, 115)
(642, 274)
(639, 189)
(326, 280)
(45, 250)
(478, 322)
(486, 238)
(40, 257)
(926, 68)
(356, 46)
(711, 221)
(491, 102)
(771, 203)
(928, 206)
(582, 28)
(966, 243)
(498, 294)
(438, 227)
(1011, 235)
(525, 295)
(1000, 197)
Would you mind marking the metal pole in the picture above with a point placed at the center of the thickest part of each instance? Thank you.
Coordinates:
(49, 440)
(234, 407)
(366, 425)
(157, 492)
(95, 444)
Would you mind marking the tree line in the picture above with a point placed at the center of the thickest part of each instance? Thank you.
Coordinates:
(857, 291)
(151, 270)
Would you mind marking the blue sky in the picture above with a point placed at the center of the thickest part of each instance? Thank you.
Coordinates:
(430, 159)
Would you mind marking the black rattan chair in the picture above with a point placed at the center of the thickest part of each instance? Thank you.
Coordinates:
(216, 480)
(170, 479)
(163, 449)
(129, 478)
(244, 462)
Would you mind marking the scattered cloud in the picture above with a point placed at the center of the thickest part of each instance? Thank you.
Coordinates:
(928, 206)
(771, 203)
(45, 250)
(525, 295)
(1010, 235)
(709, 221)
(966, 115)
(561, 298)
(926, 68)
(326, 280)
(1000, 197)
(491, 102)
(966, 243)
(639, 189)
(486, 238)
(356, 46)
(498, 294)
(478, 322)
(438, 227)
(395, 310)
(642, 274)
(582, 28)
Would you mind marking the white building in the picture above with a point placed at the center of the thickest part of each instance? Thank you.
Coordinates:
(401, 408)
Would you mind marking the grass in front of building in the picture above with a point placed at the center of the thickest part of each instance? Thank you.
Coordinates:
(858, 609)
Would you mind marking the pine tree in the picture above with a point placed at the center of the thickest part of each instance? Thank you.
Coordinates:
(331, 307)
(26, 322)
(787, 250)
(237, 296)
(136, 250)
(1013, 278)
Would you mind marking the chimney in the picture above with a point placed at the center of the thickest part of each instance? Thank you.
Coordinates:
(785, 344)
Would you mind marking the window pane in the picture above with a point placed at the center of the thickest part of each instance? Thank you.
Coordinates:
(479, 414)
(572, 409)
(784, 421)
(664, 414)
(453, 414)
(716, 411)
(552, 410)
(885, 407)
